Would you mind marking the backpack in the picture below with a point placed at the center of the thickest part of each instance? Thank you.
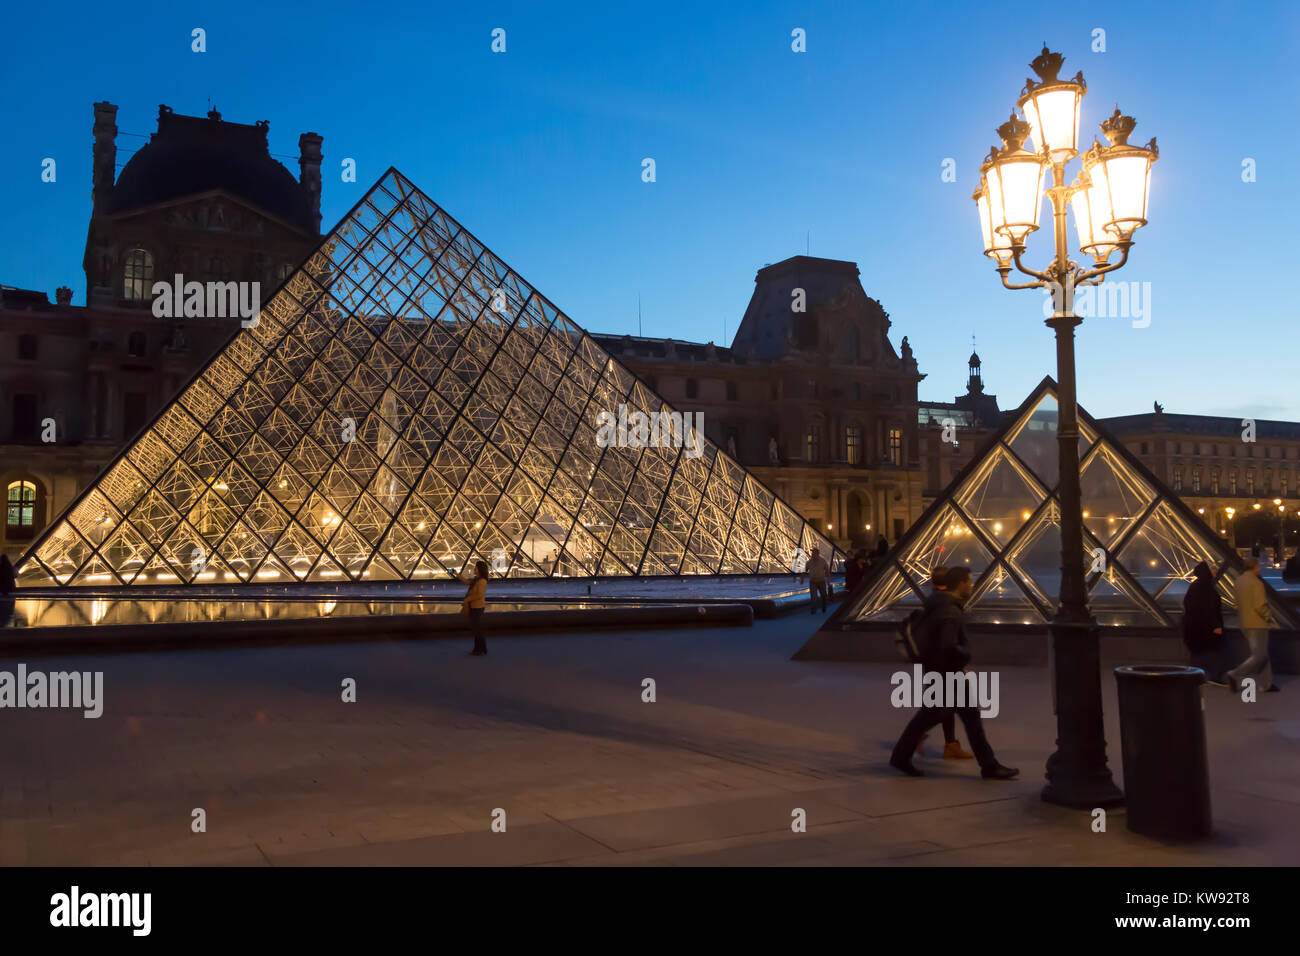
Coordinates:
(908, 638)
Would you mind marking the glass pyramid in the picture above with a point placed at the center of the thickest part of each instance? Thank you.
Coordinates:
(406, 405)
(1000, 517)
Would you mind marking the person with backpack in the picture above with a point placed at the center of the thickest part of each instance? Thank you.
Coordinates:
(473, 604)
(952, 749)
(941, 644)
(1203, 625)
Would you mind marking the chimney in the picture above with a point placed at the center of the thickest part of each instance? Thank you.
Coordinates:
(309, 157)
(104, 154)
(63, 295)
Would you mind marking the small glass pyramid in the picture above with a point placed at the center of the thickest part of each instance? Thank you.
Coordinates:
(404, 406)
(1000, 517)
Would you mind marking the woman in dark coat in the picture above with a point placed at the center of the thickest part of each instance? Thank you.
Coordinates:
(1203, 624)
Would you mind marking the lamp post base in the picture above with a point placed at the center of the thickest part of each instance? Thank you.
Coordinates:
(1077, 774)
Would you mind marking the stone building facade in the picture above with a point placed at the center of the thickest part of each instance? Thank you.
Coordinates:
(203, 198)
(1243, 480)
(811, 395)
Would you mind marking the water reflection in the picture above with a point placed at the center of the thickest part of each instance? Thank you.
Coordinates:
(59, 612)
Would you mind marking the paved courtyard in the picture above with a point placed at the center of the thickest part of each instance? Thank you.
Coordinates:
(552, 730)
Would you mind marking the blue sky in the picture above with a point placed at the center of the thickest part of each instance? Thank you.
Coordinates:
(761, 153)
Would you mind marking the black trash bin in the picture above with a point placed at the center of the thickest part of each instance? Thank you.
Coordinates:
(1162, 734)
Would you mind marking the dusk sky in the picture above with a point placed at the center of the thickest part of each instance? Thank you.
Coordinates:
(761, 153)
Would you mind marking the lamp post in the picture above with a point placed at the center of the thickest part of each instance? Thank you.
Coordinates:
(1281, 532)
(1109, 201)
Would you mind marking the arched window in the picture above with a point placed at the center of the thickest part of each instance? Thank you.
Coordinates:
(137, 275)
(20, 510)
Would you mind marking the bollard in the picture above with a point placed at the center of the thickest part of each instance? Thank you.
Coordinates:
(1162, 737)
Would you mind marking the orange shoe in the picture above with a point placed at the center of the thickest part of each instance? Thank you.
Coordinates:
(952, 751)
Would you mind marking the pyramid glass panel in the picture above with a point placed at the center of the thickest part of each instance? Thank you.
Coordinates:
(998, 599)
(1001, 497)
(1001, 518)
(1114, 496)
(1114, 600)
(1162, 554)
(1036, 556)
(405, 405)
(950, 542)
(891, 597)
(1034, 440)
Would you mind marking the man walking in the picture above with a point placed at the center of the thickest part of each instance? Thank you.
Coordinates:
(818, 574)
(943, 647)
(1256, 619)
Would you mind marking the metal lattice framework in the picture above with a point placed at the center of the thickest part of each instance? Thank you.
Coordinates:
(1000, 517)
(470, 402)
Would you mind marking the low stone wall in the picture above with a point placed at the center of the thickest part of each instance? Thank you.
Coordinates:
(28, 642)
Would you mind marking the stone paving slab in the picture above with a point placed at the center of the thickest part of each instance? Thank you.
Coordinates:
(553, 729)
(545, 842)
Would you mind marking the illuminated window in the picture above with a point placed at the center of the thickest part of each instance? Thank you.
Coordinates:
(813, 444)
(1178, 479)
(853, 444)
(896, 446)
(20, 512)
(137, 275)
(1196, 479)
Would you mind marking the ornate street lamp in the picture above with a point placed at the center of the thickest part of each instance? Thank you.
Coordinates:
(1109, 200)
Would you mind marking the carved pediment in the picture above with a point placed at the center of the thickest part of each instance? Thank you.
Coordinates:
(215, 214)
